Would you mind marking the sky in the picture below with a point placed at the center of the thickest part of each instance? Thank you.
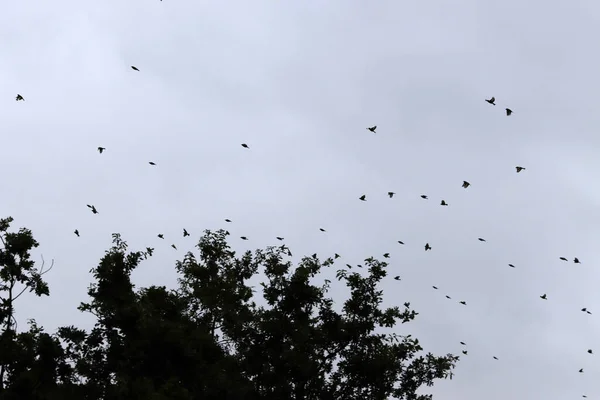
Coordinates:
(299, 82)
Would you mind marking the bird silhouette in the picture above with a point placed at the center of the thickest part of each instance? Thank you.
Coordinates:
(173, 246)
(391, 194)
(372, 129)
(584, 309)
(495, 358)
(76, 232)
(563, 258)
(386, 255)
(243, 238)
(510, 265)
(443, 203)
(93, 208)
(519, 169)
(20, 98)
(152, 163)
(590, 351)
(464, 303)
(581, 371)
(244, 145)
(576, 260)
(397, 277)
(227, 220)
(423, 196)
(336, 256)
(435, 287)
(150, 251)
(463, 343)
(160, 235)
(134, 68)
(481, 239)
(508, 112)
(101, 149)
(464, 352)
(491, 101)
(363, 198)
(466, 184)
(185, 233)
(278, 238)
(544, 297)
(401, 242)
(427, 246)
(322, 230)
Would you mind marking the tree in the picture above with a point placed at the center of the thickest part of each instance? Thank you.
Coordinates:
(215, 337)
(31, 363)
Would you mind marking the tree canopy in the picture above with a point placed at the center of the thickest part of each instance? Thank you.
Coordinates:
(214, 336)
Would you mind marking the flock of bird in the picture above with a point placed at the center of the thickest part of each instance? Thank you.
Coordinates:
(428, 247)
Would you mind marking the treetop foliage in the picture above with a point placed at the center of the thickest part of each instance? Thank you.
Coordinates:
(214, 336)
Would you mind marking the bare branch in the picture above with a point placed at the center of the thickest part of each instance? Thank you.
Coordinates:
(20, 293)
(42, 272)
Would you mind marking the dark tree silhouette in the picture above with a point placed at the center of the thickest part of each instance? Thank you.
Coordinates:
(215, 337)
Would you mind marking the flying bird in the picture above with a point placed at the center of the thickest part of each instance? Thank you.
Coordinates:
(279, 238)
(149, 250)
(481, 239)
(463, 343)
(243, 238)
(464, 303)
(20, 98)
(584, 309)
(495, 358)
(464, 352)
(466, 184)
(101, 149)
(563, 258)
(427, 246)
(435, 287)
(443, 203)
(391, 194)
(510, 265)
(336, 256)
(244, 145)
(448, 297)
(152, 163)
(387, 255)
(93, 208)
(397, 277)
(227, 220)
(76, 232)
(185, 233)
(363, 197)
(322, 230)
(581, 371)
(424, 196)
(590, 351)
(543, 297)
(372, 129)
(576, 260)
(173, 246)
(160, 235)
(134, 68)
(519, 169)
(401, 242)
(508, 112)
(491, 101)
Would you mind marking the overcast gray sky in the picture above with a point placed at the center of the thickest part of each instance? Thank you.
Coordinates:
(299, 81)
